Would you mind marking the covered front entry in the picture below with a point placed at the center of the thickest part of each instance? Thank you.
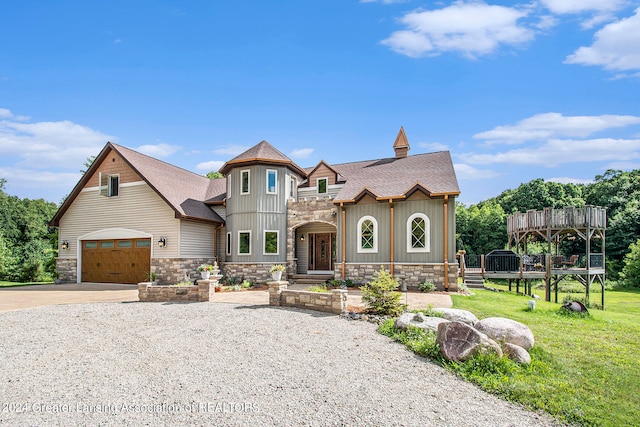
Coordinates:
(322, 247)
(116, 260)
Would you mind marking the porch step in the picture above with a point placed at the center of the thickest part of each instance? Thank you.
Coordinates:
(474, 280)
(309, 279)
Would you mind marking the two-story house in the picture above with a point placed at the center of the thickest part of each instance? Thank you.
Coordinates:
(131, 214)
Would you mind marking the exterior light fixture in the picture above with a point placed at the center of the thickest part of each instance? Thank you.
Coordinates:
(162, 242)
(302, 238)
(64, 245)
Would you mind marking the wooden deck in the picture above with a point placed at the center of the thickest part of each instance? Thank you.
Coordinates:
(558, 219)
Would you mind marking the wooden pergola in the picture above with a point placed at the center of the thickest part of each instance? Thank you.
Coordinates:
(587, 223)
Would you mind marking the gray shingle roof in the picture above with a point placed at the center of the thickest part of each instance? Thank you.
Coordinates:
(264, 153)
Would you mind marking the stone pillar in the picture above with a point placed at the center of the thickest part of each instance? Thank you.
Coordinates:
(275, 290)
(338, 301)
(142, 291)
(206, 289)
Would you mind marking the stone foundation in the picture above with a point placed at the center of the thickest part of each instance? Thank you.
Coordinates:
(256, 272)
(329, 302)
(173, 270)
(67, 269)
(410, 274)
(149, 292)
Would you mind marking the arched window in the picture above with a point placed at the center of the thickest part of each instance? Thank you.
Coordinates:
(418, 233)
(367, 235)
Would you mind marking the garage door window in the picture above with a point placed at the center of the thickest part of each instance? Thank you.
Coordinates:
(143, 243)
(106, 245)
(124, 244)
(90, 245)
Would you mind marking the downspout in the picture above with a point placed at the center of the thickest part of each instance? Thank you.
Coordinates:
(392, 234)
(344, 239)
(446, 242)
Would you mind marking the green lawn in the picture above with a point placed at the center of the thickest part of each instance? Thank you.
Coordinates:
(14, 284)
(585, 370)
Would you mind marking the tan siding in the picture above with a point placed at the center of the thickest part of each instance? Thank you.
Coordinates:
(196, 239)
(137, 207)
(322, 172)
(113, 164)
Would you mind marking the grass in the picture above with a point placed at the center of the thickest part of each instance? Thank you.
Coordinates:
(584, 370)
(15, 284)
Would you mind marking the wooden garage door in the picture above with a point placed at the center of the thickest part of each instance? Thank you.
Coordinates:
(116, 261)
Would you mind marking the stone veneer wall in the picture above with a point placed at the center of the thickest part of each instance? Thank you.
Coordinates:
(148, 292)
(172, 270)
(258, 272)
(329, 302)
(410, 274)
(67, 269)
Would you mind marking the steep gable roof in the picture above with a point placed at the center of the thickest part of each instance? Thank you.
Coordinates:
(263, 153)
(182, 190)
(398, 178)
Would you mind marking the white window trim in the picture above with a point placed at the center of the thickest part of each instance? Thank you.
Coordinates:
(228, 243)
(264, 242)
(362, 250)
(110, 187)
(229, 187)
(276, 181)
(318, 185)
(293, 188)
(248, 171)
(427, 230)
(240, 233)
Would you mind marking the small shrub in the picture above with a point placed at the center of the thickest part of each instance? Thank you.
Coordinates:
(380, 296)
(247, 284)
(318, 288)
(427, 286)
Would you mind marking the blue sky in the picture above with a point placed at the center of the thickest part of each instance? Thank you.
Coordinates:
(515, 90)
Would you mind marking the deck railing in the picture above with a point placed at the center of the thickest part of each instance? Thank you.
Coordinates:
(569, 217)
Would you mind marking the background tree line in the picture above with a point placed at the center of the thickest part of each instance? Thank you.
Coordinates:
(482, 227)
(28, 246)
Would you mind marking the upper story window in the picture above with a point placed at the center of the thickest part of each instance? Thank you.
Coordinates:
(323, 184)
(109, 185)
(418, 233)
(293, 187)
(229, 189)
(245, 180)
(272, 181)
(367, 235)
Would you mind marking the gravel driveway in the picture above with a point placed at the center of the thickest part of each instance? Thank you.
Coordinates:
(224, 364)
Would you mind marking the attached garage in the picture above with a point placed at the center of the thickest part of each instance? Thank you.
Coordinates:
(116, 260)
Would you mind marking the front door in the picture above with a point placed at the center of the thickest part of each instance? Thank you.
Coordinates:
(323, 251)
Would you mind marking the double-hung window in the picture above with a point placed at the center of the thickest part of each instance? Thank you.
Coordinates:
(272, 181)
(245, 181)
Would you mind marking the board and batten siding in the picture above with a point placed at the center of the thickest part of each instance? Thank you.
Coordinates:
(137, 207)
(196, 239)
(257, 222)
(432, 208)
(302, 248)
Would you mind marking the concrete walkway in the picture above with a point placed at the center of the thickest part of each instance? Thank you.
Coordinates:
(22, 297)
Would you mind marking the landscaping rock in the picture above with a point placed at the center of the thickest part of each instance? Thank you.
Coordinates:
(506, 330)
(457, 315)
(419, 320)
(459, 341)
(517, 354)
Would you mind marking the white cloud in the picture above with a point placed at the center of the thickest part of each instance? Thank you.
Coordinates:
(464, 171)
(39, 180)
(213, 165)
(556, 152)
(554, 125)
(568, 180)
(158, 150)
(46, 144)
(302, 153)
(433, 146)
(5, 114)
(232, 150)
(472, 28)
(580, 6)
(615, 46)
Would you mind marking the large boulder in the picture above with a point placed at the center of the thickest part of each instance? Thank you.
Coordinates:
(507, 331)
(459, 341)
(517, 354)
(457, 315)
(419, 320)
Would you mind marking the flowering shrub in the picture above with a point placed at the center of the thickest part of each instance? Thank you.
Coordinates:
(277, 267)
(205, 267)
